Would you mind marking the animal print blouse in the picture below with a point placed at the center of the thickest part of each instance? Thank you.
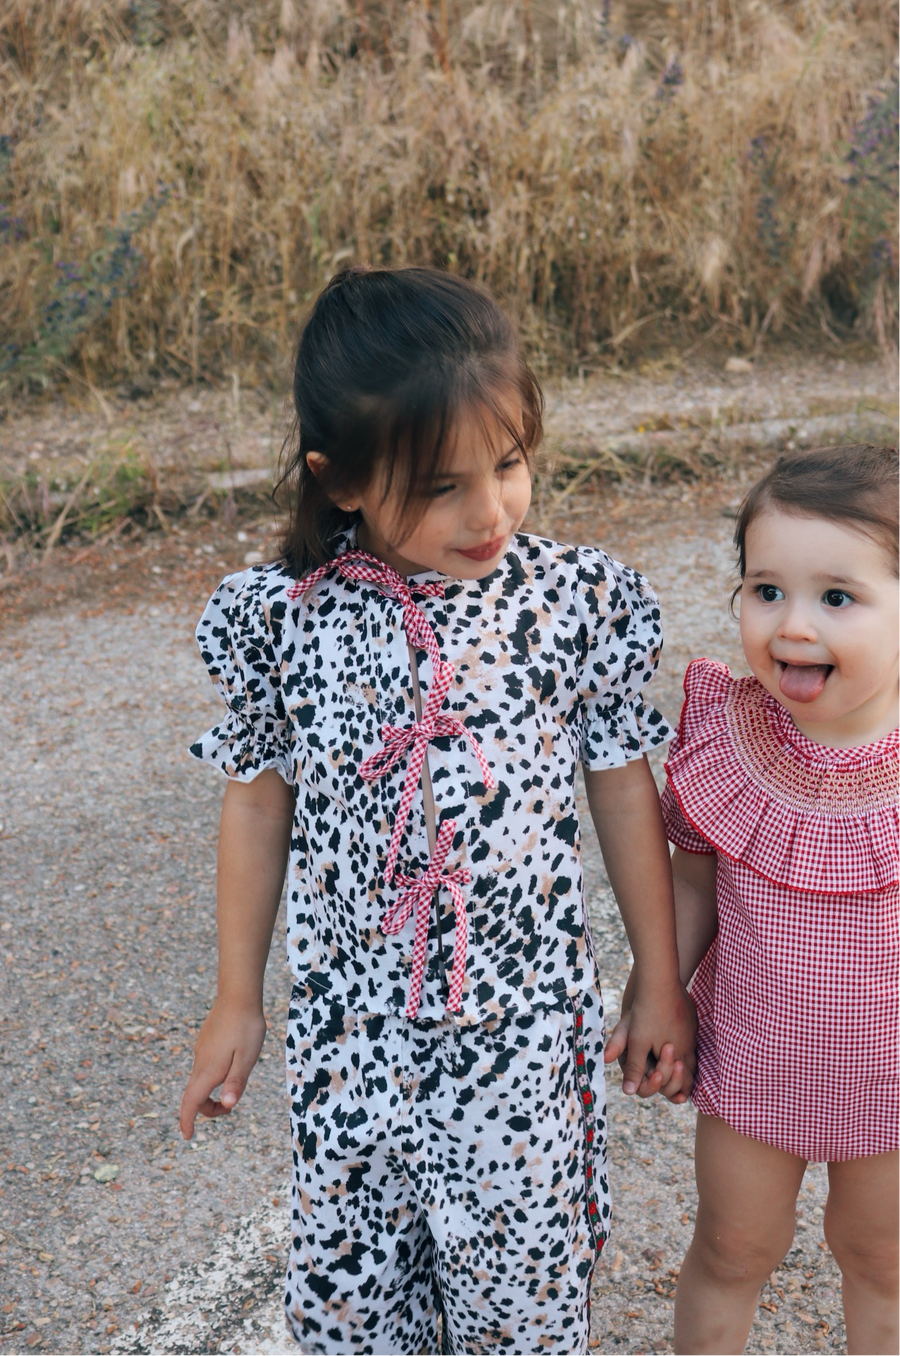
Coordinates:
(542, 661)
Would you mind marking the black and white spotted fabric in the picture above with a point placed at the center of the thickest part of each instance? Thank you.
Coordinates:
(440, 1168)
(551, 652)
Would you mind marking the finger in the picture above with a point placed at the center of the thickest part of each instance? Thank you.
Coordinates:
(197, 1099)
(665, 1063)
(190, 1109)
(650, 1084)
(617, 1042)
(673, 1089)
(636, 1065)
(235, 1080)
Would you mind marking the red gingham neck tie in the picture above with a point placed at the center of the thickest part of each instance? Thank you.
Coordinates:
(414, 738)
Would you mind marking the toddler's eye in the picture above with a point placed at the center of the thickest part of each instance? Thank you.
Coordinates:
(510, 462)
(837, 598)
(769, 593)
(440, 490)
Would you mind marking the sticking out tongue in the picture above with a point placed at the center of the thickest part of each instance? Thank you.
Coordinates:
(803, 682)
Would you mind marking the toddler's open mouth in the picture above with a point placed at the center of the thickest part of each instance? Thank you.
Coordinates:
(802, 682)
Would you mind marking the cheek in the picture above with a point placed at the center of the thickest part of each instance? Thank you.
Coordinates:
(518, 499)
(752, 633)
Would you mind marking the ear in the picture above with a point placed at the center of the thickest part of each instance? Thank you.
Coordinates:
(318, 464)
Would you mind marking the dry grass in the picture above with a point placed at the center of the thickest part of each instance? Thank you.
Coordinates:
(180, 176)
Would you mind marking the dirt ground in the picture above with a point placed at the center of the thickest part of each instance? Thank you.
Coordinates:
(114, 1234)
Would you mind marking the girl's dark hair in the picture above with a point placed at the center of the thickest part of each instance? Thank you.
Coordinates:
(387, 362)
(855, 486)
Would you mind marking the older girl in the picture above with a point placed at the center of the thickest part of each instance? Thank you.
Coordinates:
(409, 692)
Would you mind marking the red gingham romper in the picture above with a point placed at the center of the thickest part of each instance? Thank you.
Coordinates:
(797, 996)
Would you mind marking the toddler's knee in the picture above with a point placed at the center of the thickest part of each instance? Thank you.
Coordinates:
(733, 1256)
(873, 1261)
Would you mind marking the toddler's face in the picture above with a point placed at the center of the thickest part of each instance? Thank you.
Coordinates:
(819, 626)
(471, 511)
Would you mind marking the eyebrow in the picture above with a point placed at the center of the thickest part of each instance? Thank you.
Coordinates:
(820, 578)
(461, 475)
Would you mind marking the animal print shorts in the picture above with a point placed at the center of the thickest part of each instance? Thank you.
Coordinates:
(445, 1169)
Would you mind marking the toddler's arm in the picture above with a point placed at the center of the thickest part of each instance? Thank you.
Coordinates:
(696, 914)
(254, 839)
(661, 1023)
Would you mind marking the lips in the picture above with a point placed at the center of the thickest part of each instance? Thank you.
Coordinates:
(802, 682)
(485, 552)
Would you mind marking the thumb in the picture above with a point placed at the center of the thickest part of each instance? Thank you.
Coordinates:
(617, 1042)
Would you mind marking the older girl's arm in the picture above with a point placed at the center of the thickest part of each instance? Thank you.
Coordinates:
(661, 1026)
(254, 840)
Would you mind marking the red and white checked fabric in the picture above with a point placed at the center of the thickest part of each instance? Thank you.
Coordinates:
(797, 997)
(417, 896)
(414, 739)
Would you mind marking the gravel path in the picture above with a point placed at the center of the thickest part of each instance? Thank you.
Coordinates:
(114, 1234)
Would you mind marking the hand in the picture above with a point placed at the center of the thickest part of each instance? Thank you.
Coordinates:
(225, 1052)
(649, 1068)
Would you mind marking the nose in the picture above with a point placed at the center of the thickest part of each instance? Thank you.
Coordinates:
(485, 505)
(796, 621)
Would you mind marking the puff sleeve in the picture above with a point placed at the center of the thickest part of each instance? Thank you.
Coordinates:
(623, 641)
(679, 832)
(239, 640)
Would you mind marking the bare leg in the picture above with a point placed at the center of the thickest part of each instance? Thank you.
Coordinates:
(861, 1229)
(745, 1224)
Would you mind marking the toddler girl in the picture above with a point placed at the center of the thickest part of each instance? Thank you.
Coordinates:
(782, 805)
(409, 692)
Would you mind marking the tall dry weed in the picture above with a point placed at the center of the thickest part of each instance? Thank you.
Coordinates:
(179, 177)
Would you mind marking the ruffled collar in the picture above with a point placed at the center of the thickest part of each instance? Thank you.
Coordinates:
(801, 814)
(862, 755)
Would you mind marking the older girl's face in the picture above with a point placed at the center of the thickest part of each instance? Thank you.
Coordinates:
(474, 504)
(819, 625)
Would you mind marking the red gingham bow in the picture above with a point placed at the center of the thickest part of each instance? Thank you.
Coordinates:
(360, 565)
(417, 895)
(397, 740)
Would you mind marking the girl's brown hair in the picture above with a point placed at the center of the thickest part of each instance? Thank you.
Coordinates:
(856, 486)
(387, 362)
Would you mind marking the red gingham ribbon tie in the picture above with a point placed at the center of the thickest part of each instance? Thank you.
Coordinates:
(418, 892)
(414, 739)
(417, 736)
(361, 566)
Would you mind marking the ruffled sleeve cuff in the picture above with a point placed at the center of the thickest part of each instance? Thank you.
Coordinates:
(240, 648)
(679, 832)
(623, 642)
(623, 731)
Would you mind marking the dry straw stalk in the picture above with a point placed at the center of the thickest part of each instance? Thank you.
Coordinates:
(179, 177)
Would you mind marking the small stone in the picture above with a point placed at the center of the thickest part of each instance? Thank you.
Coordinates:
(107, 1172)
(738, 365)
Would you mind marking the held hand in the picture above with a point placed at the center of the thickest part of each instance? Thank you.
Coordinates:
(654, 1041)
(226, 1050)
